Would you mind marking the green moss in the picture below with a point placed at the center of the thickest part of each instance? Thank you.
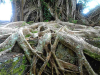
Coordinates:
(2, 49)
(6, 47)
(28, 35)
(92, 55)
(24, 59)
(34, 31)
(96, 43)
(30, 22)
(32, 42)
(21, 68)
(3, 72)
(69, 66)
(15, 67)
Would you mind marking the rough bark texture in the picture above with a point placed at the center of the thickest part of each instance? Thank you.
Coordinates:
(47, 10)
(41, 10)
(53, 47)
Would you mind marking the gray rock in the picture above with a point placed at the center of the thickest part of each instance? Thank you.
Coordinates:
(13, 64)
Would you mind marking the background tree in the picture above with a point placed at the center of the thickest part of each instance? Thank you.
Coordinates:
(21, 9)
(56, 47)
(48, 10)
(59, 10)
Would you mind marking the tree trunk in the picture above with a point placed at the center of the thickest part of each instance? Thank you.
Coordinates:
(14, 11)
(21, 9)
(58, 10)
(55, 9)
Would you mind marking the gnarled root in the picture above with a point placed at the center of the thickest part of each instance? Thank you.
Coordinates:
(40, 41)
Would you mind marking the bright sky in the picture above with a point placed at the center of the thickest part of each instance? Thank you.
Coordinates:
(5, 10)
(91, 5)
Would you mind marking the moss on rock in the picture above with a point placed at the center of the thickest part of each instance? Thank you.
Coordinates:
(14, 66)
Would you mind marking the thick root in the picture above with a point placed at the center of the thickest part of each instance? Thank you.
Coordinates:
(39, 42)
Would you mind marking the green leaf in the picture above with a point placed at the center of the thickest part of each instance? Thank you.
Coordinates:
(48, 64)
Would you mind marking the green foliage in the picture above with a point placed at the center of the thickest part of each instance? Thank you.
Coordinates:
(31, 42)
(13, 67)
(93, 55)
(30, 22)
(45, 20)
(48, 64)
(72, 20)
(1, 50)
(28, 35)
(46, 14)
(34, 31)
(52, 0)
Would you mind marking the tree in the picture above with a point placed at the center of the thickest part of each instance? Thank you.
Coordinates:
(48, 41)
(55, 47)
(57, 9)
(21, 13)
(60, 10)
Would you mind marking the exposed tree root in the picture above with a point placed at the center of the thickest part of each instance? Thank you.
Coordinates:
(40, 41)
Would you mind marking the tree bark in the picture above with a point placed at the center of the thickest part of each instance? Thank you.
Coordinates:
(47, 42)
(21, 9)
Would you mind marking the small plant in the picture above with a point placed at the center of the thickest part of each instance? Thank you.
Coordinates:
(74, 21)
(28, 35)
(48, 64)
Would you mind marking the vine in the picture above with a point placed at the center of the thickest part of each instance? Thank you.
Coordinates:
(46, 14)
